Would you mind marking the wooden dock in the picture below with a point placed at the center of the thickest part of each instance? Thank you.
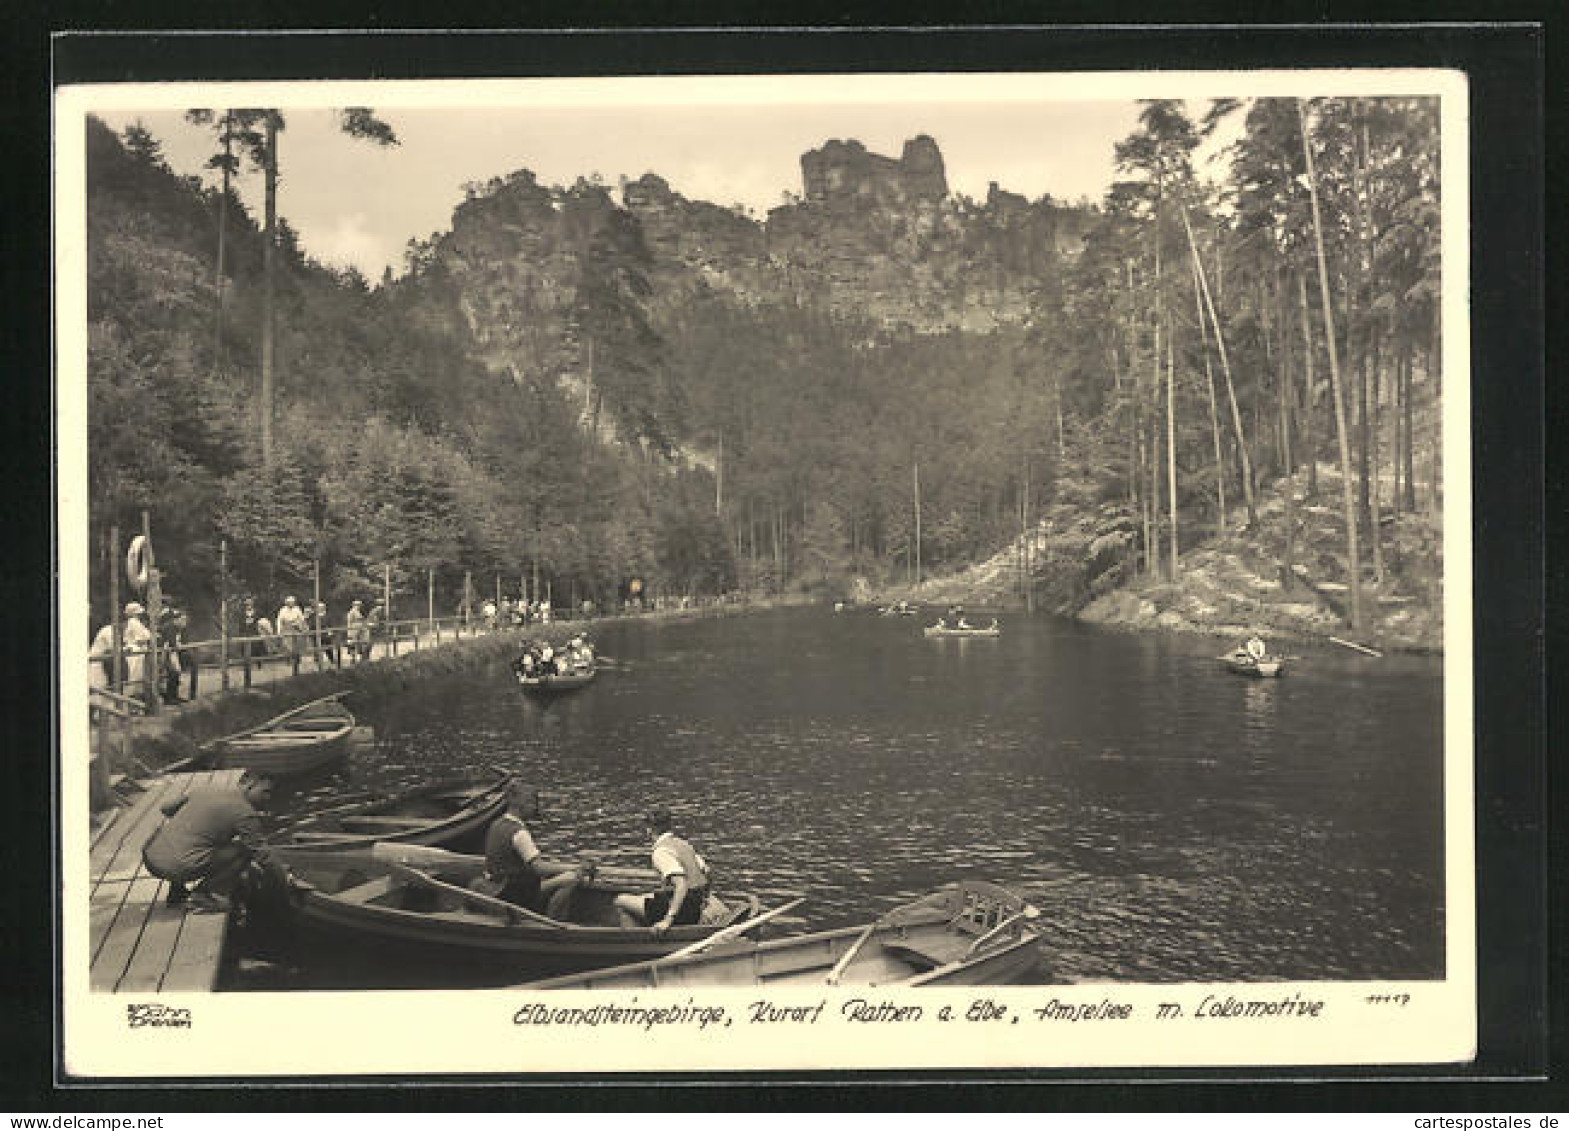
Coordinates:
(137, 943)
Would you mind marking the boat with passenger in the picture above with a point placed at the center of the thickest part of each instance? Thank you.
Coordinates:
(416, 905)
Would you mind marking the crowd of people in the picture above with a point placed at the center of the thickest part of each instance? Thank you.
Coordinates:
(541, 658)
(175, 657)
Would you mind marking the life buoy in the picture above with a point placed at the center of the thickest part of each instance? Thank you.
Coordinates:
(136, 562)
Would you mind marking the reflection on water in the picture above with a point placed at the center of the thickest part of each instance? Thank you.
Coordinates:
(1174, 821)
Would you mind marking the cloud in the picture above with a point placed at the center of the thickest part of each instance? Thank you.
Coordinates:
(349, 242)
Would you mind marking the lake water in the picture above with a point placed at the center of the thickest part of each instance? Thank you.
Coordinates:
(1174, 822)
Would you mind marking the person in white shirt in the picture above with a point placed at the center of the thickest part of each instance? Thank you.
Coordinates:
(138, 641)
(679, 902)
(292, 627)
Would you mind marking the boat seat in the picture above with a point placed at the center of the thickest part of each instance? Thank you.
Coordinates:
(373, 820)
(367, 891)
(924, 955)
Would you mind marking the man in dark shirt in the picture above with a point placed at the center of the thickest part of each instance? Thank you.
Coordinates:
(211, 836)
(514, 870)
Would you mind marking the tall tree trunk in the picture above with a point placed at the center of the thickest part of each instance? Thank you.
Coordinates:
(1348, 504)
(1411, 436)
(1225, 368)
(1363, 334)
(1310, 395)
(1171, 442)
(1155, 365)
(1214, 411)
(223, 228)
(269, 258)
(1287, 460)
(1374, 526)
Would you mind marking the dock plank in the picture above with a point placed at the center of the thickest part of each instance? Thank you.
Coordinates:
(112, 836)
(150, 960)
(195, 961)
(124, 934)
(105, 905)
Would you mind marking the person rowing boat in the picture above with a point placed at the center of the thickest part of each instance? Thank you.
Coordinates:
(514, 869)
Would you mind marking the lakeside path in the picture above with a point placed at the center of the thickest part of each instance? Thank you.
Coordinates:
(145, 743)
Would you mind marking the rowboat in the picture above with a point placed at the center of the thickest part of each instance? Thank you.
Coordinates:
(971, 933)
(308, 738)
(567, 681)
(1244, 663)
(451, 814)
(412, 905)
(942, 630)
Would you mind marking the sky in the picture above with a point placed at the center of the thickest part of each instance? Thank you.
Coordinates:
(356, 204)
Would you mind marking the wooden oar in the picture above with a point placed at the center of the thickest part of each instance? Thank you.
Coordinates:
(730, 932)
(855, 948)
(301, 709)
(425, 856)
(1356, 647)
(360, 799)
(510, 910)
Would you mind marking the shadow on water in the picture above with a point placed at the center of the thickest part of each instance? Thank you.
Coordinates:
(1174, 821)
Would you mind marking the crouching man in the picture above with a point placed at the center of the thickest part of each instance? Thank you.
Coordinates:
(210, 838)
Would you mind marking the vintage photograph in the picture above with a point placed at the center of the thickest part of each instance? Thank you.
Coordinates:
(764, 572)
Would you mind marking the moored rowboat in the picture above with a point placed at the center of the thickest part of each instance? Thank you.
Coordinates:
(422, 912)
(308, 738)
(971, 933)
(449, 814)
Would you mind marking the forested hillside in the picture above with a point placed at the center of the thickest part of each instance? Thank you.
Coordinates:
(878, 380)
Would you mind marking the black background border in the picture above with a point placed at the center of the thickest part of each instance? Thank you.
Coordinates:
(1515, 785)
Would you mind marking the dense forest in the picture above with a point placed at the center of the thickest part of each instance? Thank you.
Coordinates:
(546, 396)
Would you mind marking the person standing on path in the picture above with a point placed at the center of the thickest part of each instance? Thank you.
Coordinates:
(246, 629)
(292, 627)
(137, 640)
(358, 635)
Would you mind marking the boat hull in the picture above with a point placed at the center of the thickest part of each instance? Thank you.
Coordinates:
(457, 814)
(352, 901)
(555, 684)
(933, 631)
(1267, 668)
(969, 935)
(313, 739)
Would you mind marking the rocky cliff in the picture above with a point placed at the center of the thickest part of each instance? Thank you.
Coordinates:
(871, 237)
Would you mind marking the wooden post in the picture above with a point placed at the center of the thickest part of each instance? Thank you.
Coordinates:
(316, 610)
(117, 660)
(430, 598)
(154, 609)
(223, 612)
(917, 524)
(386, 596)
(468, 599)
